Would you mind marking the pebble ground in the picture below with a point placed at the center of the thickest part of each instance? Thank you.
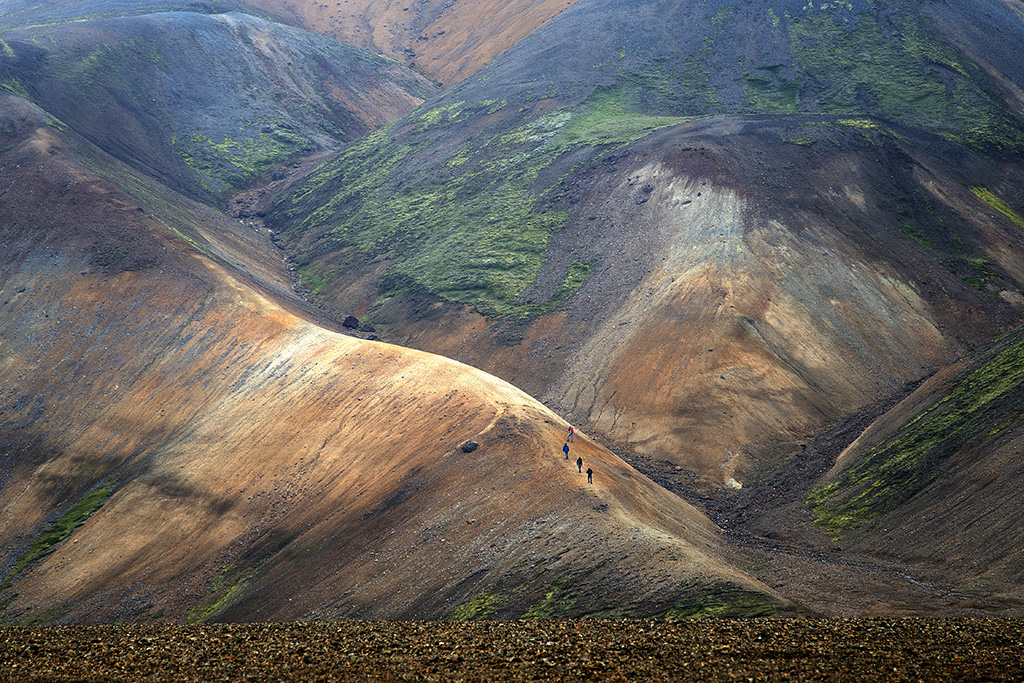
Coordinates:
(588, 649)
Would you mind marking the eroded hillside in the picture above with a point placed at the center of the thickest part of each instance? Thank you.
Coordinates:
(697, 227)
(447, 40)
(177, 446)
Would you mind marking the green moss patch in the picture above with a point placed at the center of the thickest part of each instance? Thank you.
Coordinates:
(234, 163)
(477, 607)
(903, 74)
(895, 471)
(721, 601)
(63, 527)
(477, 234)
(225, 585)
(557, 602)
(990, 198)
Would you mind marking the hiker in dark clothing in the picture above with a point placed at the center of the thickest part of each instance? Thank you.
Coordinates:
(590, 476)
(565, 449)
(579, 464)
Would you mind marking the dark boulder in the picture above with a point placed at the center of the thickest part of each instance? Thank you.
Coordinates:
(351, 322)
(470, 446)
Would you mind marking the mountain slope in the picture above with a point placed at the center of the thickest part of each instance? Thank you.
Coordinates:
(204, 102)
(446, 40)
(178, 446)
(696, 226)
(936, 480)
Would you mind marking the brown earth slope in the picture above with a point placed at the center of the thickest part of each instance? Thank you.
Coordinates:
(447, 40)
(259, 467)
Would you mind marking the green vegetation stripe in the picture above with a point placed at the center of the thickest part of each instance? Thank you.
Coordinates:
(896, 470)
(63, 527)
(721, 601)
(990, 198)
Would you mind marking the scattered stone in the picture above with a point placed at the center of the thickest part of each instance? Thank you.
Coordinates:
(470, 446)
(648, 188)
(641, 199)
(708, 650)
(363, 327)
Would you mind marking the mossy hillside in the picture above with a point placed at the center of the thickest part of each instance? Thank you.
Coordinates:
(477, 607)
(993, 200)
(233, 163)
(926, 221)
(63, 527)
(720, 601)
(982, 403)
(479, 234)
(224, 586)
(902, 73)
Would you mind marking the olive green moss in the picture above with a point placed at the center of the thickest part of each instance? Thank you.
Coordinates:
(556, 603)
(990, 198)
(903, 75)
(235, 163)
(63, 527)
(224, 585)
(477, 234)
(723, 601)
(16, 87)
(477, 607)
(983, 402)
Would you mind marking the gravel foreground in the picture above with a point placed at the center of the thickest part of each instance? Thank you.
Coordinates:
(912, 649)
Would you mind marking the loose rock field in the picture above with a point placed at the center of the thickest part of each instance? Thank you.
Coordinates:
(609, 650)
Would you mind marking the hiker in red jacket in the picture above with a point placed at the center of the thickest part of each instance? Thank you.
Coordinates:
(569, 437)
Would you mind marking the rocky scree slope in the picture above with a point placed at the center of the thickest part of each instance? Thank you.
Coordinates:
(706, 229)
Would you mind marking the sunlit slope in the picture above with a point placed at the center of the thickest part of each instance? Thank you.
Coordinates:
(204, 102)
(448, 41)
(936, 481)
(227, 459)
(702, 227)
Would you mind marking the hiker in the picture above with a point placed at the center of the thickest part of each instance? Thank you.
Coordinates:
(590, 476)
(569, 438)
(565, 449)
(579, 464)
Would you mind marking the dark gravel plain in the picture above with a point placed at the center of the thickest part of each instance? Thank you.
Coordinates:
(911, 649)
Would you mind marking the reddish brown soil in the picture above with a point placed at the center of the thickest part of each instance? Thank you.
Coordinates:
(448, 41)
